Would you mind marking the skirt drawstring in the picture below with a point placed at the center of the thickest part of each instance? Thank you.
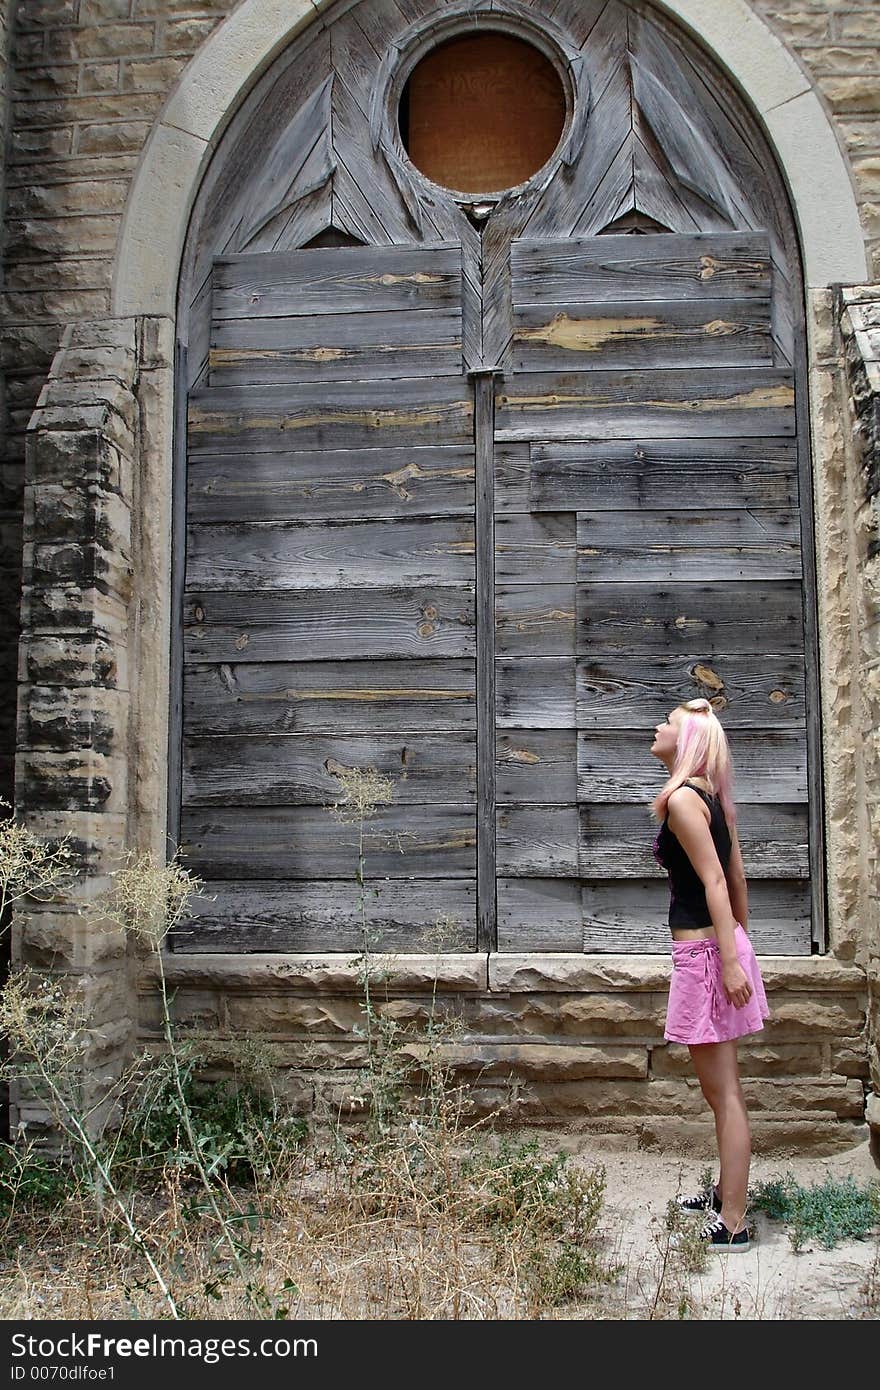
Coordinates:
(711, 982)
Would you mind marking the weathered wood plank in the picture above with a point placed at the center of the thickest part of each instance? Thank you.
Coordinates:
(317, 916)
(535, 620)
(617, 268)
(336, 347)
(512, 474)
(328, 484)
(537, 841)
(615, 765)
(616, 841)
(556, 212)
(631, 916)
(330, 624)
(739, 616)
(535, 548)
(324, 281)
(535, 692)
(654, 474)
(539, 914)
(708, 401)
(324, 555)
(355, 414)
(307, 842)
(687, 545)
(695, 333)
(484, 435)
(330, 697)
(760, 692)
(537, 759)
(274, 769)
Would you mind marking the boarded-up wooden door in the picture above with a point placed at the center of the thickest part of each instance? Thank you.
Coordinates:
(647, 537)
(329, 604)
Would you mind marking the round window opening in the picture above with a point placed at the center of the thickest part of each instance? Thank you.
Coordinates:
(482, 113)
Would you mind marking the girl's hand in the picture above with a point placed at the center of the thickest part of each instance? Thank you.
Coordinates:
(736, 984)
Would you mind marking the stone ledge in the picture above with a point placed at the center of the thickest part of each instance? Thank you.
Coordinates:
(324, 973)
(478, 972)
(583, 973)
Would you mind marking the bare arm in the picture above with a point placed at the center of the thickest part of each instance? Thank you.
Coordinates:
(689, 824)
(736, 883)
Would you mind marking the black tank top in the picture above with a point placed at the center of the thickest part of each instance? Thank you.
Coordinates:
(687, 896)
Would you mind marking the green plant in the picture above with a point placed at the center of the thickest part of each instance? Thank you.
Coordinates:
(834, 1210)
(30, 1177)
(239, 1130)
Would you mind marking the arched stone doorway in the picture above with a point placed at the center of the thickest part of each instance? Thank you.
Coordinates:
(477, 485)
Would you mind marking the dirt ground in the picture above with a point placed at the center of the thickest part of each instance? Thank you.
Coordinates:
(768, 1281)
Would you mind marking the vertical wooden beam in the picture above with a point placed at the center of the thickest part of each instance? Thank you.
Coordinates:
(812, 702)
(178, 577)
(484, 462)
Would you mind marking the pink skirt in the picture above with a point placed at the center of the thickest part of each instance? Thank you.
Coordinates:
(699, 1010)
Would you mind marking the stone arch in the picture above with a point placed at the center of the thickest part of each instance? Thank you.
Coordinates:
(214, 83)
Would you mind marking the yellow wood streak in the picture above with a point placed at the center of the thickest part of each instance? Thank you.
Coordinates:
(220, 357)
(762, 397)
(225, 422)
(706, 676)
(521, 755)
(711, 265)
(419, 278)
(400, 476)
(588, 335)
(392, 693)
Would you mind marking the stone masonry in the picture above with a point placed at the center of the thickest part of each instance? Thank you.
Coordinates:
(87, 414)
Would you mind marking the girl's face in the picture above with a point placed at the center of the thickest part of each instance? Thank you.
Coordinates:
(666, 736)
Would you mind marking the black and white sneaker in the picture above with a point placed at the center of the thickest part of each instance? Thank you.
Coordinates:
(716, 1234)
(699, 1203)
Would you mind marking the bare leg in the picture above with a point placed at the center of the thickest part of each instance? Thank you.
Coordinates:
(718, 1073)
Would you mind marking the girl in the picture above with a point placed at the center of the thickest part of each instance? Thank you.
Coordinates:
(716, 994)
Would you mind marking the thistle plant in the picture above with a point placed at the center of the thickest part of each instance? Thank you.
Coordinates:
(148, 900)
(29, 866)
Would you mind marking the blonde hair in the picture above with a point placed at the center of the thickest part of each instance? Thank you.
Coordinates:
(700, 751)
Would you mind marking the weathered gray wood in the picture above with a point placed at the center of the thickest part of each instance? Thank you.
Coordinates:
(537, 841)
(655, 474)
(696, 333)
(306, 842)
(336, 347)
(302, 417)
(556, 213)
(325, 484)
(178, 570)
(612, 198)
(615, 766)
(615, 841)
(403, 915)
(726, 618)
(690, 545)
(760, 692)
(299, 163)
(707, 401)
(616, 269)
(532, 762)
(535, 692)
(322, 555)
(326, 282)
(280, 769)
(484, 429)
(535, 548)
(633, 915)
(512, 475)
(539, 914)
(330, 697)
(287, 625)
(535, 620)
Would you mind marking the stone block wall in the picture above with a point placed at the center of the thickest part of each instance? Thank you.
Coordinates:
(860, 328)
(580, 1037)
(553, 1039)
